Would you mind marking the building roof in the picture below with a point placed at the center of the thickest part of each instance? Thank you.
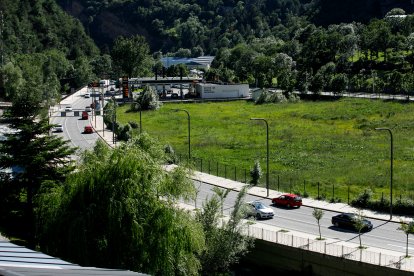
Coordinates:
(201, 61)
(21, 261)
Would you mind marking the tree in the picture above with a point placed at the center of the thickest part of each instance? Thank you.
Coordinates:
(318, 214)
(339, 83)
(42, 160)
(119, 210)
(102, 66)
(222, 194)
(110, 114)
(407, 228)
(284, 65)
(147, 99)
(225, 243)
(264, 70)
(256, 173)
(359, 224)
(131, 56)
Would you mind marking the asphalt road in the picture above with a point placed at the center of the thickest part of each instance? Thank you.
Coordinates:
(73, 124)
(384, 234)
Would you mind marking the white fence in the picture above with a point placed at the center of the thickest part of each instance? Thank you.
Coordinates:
(330, 248)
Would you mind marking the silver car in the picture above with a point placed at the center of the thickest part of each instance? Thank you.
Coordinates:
(58, 128)
(259, 210)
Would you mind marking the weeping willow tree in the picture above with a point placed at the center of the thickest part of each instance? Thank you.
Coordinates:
(118, 211)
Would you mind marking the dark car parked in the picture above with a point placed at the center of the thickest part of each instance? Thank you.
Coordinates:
(347, 220)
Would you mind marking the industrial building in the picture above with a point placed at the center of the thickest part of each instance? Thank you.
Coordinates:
(221, 91)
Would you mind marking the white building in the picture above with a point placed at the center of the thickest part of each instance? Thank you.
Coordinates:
(222, 91)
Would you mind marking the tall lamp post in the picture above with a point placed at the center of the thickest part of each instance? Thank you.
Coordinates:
(140, 119)
(189, 139)
(113, 121)
(267, 150)
(391, 164)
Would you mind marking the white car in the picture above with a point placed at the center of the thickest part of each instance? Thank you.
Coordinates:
(88, 109)
(58, 128)
(259, 210)
(68, 108)
(87, 95)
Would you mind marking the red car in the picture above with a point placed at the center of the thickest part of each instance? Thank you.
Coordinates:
(85, 115)
(88, 129)
(288, 200)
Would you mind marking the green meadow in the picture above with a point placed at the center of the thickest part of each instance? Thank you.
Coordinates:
(333, 143)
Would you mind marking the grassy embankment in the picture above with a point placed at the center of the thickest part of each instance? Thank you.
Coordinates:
(330, 142)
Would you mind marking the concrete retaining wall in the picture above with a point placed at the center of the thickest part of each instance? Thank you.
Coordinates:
(270, 256)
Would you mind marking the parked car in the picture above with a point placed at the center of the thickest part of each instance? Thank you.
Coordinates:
(58, 128)
(88, 129)
(88, 108)
(68, 108)
(347, 220)
(87, 95)
(85, 115)
(288, 200)
(259, 210)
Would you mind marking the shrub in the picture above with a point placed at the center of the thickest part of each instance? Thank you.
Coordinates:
(256, 173)
(133, 124)
(123, 132)
(171, 157)
(363, 199)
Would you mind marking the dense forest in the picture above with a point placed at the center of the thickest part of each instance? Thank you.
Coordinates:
(172, 24)
(43, 47)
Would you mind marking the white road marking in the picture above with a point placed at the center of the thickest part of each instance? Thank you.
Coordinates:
(399, 246)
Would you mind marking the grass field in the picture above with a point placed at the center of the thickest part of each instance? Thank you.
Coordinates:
(331, 142)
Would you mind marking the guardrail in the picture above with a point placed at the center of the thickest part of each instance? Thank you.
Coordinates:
(331, 248)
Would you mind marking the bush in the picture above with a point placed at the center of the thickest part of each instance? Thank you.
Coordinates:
(171, 157)
(123, 132)
(363, 199)
(256, 173)
(133, 124)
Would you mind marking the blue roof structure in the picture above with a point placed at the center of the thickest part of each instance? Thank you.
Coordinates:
(204, 61)
(18, 260)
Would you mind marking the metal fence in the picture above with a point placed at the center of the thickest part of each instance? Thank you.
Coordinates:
(331, 248)
(291, 184)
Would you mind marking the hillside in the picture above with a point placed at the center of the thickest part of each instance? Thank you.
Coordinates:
(173, 24)
(36, 27)
(44, 46)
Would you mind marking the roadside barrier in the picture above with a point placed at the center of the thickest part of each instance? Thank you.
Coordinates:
(332, 248)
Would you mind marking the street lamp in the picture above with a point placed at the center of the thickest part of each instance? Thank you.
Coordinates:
(267, 148)
(189, 139)
(391, 164)
(113, 120)
(140, 119)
